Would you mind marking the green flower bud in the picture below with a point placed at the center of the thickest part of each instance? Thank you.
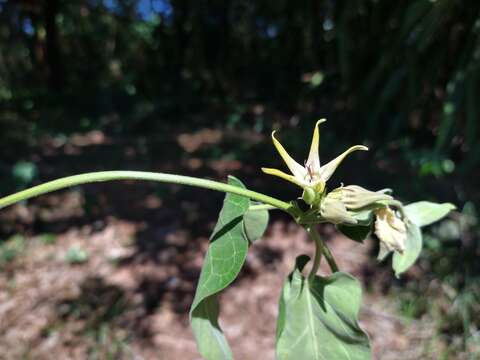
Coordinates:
(333, 209)
(390, 229)
(356, 197)
(309, 195)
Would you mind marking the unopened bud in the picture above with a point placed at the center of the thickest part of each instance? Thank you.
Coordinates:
(333, 209)
(309, 195)
(390, 230)
(356, 197)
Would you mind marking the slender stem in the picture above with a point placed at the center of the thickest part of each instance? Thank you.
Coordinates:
(330, 259)
(312, 231)
(320, 248)
(140, 175)
(259, 207)
(397, 204)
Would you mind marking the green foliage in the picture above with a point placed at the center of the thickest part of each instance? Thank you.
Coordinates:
(424, 213)
(48, 239)
(413, 246)
(318, 318)
(355, 232)
(24, 173)
(255, 223)
(450, 257)
(224, 259)
(412, 73)
(76, 255)
(11, 249)
(419, 214)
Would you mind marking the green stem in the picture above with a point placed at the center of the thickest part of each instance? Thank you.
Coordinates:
(330, 259)
(312, 231)
(397, 204)
(259, 207)
(320, 248)
(140, 175)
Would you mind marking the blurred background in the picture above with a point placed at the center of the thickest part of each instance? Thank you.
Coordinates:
(108, 271)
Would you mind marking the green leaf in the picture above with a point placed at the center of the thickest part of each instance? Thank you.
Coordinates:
(363, 227)
(225, 256)
(424, 213)
(255, 223)
(318, 318)
(355, 232)
(211, 342)
(364, 217)
(413, 247)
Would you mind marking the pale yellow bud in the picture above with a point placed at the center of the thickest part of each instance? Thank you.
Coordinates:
(333, 209)
(356, 197)
(390, 230)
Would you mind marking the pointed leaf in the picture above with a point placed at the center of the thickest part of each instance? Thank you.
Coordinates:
(225, 256)
(413, 247)
(211, 342)
(318, 319)
(424, 213)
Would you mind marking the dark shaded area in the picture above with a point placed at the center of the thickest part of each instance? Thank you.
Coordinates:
(195, 88)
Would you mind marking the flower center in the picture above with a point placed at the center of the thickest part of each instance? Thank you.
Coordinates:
(311, 176)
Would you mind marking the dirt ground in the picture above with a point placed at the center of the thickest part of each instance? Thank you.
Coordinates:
(109, 271)
(122, 304)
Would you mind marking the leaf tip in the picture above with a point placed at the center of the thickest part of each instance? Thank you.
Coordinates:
(451, 206)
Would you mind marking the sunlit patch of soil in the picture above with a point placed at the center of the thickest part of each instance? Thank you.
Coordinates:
(124, 304)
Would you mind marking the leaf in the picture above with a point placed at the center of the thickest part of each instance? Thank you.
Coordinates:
(363, 227)
(225, 256)
(318, 318)
(355, 232)
(413, 247)
(364, 217)
(424, 213)
(255, 223)
(211, 342)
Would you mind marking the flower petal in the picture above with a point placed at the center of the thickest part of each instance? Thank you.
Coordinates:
(327, 170)
(390, 230)
(313, 156)
(281, 174)
(295, 168)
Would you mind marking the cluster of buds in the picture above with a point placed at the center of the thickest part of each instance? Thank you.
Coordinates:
(340, 205)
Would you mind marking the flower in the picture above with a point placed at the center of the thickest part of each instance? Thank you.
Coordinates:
(311, 175)
(391, 230)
